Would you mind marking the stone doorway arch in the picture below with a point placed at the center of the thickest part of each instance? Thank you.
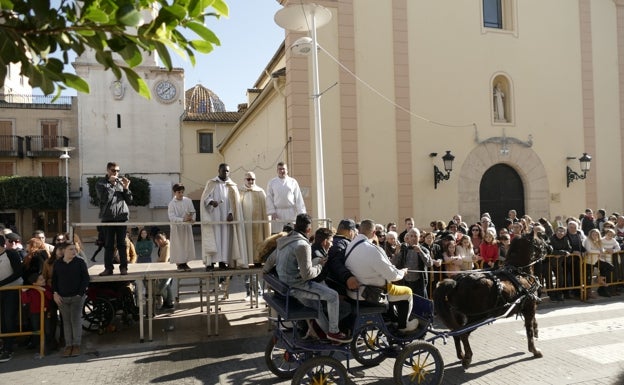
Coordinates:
(522, 159)
(501, 190)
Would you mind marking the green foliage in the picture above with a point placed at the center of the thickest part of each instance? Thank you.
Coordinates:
(140, 188)
(32, 192)
(40, 36)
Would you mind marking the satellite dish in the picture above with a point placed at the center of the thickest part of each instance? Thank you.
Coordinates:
(302, 46)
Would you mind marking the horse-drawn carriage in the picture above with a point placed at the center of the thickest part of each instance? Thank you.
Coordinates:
(308, 361)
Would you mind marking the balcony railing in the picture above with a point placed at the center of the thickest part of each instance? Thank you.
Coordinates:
(43, 146)
(11, 145)
(35, 101)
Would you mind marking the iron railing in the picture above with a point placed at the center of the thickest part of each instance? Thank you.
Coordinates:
(12, 145)
(44, 146)
(11, 100)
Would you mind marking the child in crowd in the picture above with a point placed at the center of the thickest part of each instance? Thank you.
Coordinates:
(144, 247)
(70, 279)
(32, 298)
(489, 251)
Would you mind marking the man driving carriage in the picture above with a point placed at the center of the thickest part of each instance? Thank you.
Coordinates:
(370, 265)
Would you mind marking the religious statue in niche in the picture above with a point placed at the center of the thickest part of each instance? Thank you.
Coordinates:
(499, 104)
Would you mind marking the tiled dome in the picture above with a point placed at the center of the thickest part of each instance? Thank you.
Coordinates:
(200, 100)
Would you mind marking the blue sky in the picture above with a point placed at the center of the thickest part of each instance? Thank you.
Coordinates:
(249, 38)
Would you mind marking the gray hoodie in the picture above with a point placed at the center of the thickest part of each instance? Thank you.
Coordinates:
(294, 260)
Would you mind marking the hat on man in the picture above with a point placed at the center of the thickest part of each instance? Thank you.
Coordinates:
(13, 237)
(346, 224)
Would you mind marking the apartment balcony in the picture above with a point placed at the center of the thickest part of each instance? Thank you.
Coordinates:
(43, 146)
(11, 146)
(46, 102)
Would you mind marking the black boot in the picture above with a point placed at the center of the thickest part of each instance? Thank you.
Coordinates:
(402, 308)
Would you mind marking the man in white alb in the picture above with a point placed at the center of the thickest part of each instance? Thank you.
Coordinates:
(222, 242)
(181, 210)
(284, 200)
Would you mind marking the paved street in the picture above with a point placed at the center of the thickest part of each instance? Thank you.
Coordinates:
(582, 344)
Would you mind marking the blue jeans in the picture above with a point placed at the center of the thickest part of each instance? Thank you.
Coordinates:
(71, 311)
(330, 296)
(115, 236)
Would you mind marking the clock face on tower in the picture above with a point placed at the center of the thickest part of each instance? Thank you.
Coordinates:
(166, 91)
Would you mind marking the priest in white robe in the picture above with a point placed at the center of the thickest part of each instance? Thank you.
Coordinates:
(253, 201)
(284, 199)
(182, 213)
(222, 242)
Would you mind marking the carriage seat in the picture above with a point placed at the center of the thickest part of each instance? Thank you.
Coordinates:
(286, 306)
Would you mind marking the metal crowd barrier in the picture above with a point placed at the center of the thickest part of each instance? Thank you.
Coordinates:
(560, 274)
(20, 316)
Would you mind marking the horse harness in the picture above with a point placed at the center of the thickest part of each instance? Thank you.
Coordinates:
(511, 273)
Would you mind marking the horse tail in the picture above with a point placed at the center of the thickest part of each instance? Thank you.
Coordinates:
(442, 301)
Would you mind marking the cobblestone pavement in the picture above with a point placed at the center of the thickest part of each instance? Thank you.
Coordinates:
(583, 343)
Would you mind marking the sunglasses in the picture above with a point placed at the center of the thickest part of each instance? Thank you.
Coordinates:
(114, 170)
(12, 241)
(250, 179)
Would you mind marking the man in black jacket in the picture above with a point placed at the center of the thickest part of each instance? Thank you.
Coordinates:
(10, 275)
(562, 248)
(114, 196)
(338, 276)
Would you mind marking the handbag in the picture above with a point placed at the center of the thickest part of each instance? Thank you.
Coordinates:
(374, 294)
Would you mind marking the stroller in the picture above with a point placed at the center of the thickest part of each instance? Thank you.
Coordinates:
(106, 300)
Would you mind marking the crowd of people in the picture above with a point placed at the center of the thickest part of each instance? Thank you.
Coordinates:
(56, 276)
(335, 264)
(64, 279)
(345, 261)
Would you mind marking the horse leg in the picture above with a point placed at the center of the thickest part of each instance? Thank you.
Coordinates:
(467, 360)
(530, 324)
(535, 331)
(458, 348)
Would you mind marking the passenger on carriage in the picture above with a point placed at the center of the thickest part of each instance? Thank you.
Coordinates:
(371, 266)
(339, 277)
(295, 268)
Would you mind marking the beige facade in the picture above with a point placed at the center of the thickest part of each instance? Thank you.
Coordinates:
(30, 129)
(420, 77)
(142, 136)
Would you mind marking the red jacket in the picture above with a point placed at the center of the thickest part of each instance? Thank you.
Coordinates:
(32, 297)
(489, 252)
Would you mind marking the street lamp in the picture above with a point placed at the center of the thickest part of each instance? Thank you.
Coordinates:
(65, 156)
(572, 175)
(439, 176)
(307, 17)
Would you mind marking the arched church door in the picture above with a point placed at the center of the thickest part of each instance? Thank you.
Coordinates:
(501, 190)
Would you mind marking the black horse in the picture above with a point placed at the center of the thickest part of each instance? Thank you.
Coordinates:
(472, 297)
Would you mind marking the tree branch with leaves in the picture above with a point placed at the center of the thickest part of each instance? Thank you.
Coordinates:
(40, 35)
